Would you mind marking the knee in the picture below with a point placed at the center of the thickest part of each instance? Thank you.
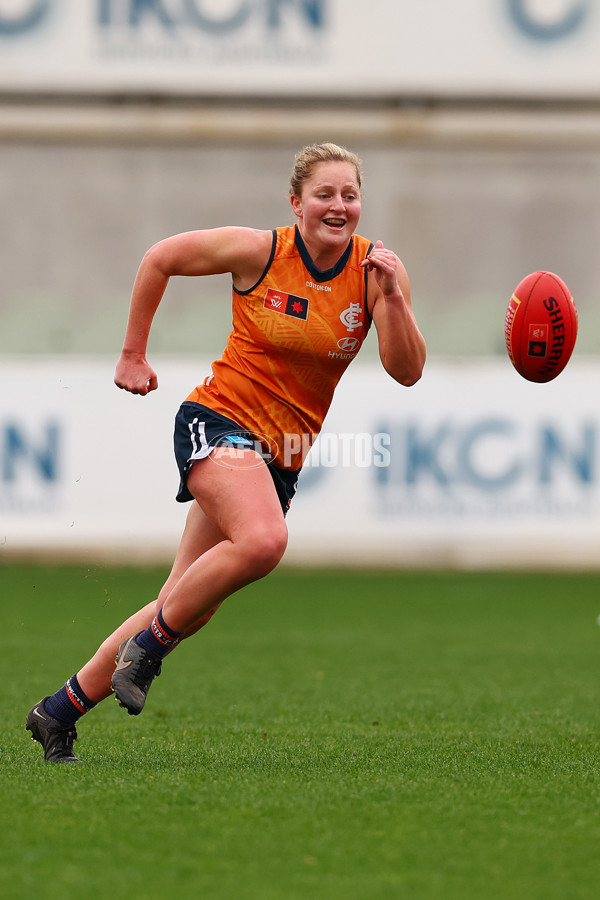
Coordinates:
(265, 550)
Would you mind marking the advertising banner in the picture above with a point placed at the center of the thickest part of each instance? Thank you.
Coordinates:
(473, 466)
(331, 48)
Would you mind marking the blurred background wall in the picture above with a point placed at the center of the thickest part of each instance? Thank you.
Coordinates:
(124, 121)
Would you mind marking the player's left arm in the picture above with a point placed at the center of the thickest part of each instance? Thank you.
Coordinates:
(401, 344)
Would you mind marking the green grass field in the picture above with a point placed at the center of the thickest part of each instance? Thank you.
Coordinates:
(330, 735)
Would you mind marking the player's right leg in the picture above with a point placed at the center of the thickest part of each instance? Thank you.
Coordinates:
(54, 728)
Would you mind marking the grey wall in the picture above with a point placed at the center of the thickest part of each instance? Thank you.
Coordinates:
(469, 218)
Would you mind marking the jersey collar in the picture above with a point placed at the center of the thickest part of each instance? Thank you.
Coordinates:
(321, 275)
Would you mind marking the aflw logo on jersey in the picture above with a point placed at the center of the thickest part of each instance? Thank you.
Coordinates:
(287, 304)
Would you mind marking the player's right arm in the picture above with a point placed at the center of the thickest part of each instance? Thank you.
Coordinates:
(244, 252)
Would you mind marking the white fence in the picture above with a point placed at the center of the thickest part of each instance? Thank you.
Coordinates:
(472, 467)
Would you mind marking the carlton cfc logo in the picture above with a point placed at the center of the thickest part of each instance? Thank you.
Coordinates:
(351, 317)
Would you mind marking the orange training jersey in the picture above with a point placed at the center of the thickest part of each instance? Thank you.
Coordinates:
(294, 334)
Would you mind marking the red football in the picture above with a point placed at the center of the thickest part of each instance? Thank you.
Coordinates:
(540, 326)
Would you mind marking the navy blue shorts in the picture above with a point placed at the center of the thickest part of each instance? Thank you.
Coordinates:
(198, 430)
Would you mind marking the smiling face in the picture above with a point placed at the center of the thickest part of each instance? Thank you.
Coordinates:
(328, 209)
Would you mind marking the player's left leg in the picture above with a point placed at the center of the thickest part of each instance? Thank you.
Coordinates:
(236, 492)
(199, 535)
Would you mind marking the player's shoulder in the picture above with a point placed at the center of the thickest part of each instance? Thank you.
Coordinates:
(360, 246)
(252, 239)
(249, 246)
(251, 250)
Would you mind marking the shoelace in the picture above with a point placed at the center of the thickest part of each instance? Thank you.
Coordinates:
(146, 669)
(68, 734)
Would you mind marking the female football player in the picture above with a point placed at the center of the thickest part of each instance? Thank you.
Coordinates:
(304, 297)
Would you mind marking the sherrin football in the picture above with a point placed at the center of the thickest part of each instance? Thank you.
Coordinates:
(540, 326)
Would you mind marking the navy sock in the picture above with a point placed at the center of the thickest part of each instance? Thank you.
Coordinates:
(158, 639)
(69, 703)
